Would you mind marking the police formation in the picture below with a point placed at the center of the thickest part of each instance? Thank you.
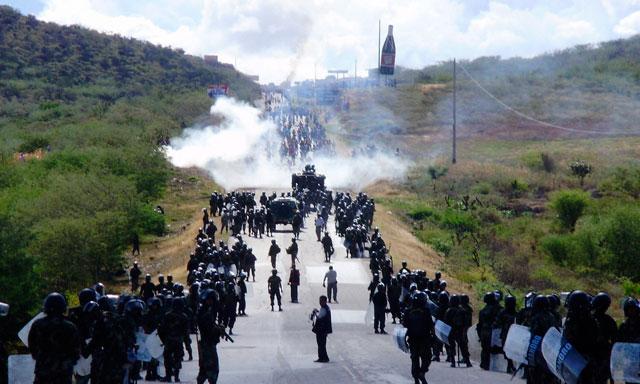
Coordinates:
(113, 339)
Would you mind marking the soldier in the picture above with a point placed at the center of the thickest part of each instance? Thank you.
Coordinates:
(297, 224)
(242, 288)
(319, 224)
(379, 308)
(581, 329)
(250, 264)
(443, 306)
(420, 333)
(404, 268)
(210, 334)
(327, 246)
(150, 321)
(273, 253)
(629, 331)
(607, 330)
(393, 294)
(294, 282)
(147, 289)
(540, 319)
(274, 285)
(484, 329)
(54, 343)
(212, 203)
(211, 230)
(135, 241)
(172, 331)
(134, 276)
(161, 286)
(293, 251)
(373, 285)
(230, 306)
(205, 217)
(505, 318)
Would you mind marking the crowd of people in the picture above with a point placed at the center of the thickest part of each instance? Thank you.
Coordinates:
(300, 130)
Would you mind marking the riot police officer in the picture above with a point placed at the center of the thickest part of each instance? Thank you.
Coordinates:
(420, 333)
(54, 343)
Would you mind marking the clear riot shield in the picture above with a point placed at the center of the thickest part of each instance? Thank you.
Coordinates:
(368, 316)
(561, 357)
(625, 362)
(433, 307)
(154, 345)
(23, 335)
(442, 332)
(399, 336)
(83, 365)
(142, 354)
(517, 344)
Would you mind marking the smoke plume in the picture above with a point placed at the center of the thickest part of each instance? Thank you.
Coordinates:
(235, 154)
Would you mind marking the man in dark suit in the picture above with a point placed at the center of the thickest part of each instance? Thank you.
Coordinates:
(322, 328)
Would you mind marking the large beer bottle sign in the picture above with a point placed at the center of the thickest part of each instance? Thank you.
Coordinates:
(388, 55)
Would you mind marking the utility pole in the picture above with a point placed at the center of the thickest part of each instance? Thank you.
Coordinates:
(379, 31)
(453, 155)
(355, 74)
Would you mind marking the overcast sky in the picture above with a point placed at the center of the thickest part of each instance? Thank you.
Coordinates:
(277, 39)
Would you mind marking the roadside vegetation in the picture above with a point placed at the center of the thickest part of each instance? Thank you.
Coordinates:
(516, 216)
(83, 117)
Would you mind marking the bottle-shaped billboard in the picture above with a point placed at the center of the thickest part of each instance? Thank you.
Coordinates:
(388, 55)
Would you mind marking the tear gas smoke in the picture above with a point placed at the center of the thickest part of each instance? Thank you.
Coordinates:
(241, 152)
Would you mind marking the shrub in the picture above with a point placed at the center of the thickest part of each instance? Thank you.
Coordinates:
(622, 240)
(581, 169)
(559, 247)
(548, 163)
(33, 143)
(518, 188)
(624, 180)
(460, 223)
(569, 206)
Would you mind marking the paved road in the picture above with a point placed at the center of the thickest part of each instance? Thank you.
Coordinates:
(279, 347)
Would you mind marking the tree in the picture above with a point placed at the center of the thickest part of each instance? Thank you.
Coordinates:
(436, 172)
(569, 206)
(622, 240)
(581, 169)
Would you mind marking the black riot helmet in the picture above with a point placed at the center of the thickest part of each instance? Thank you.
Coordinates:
(177, 304)
(105, 304)
(510, 303)
(55, 304)
(601, 302)
(419, 299)
(631, 307)
(540, 303)
(87, 295)
(464, 299)
(154, 303)
(528, 299)
(443, 298)
(578, 301)
(454, 301)
(147, 278)
(490, 298)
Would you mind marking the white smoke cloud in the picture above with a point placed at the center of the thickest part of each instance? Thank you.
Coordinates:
(234, 153)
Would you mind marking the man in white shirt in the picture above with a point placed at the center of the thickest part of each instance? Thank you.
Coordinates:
(331, 278)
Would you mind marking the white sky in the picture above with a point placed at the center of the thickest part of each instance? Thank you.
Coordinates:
(276, 39)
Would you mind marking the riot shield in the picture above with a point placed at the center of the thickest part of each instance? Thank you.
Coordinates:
(399, 336)
(561, 357)
(517, 344)
(23, 335)
(368, 316)
(625, 362)
(83, 365)
(442, 332)
(154, 345)
(142, 354)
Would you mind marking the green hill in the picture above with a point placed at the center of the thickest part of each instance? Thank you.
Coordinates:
(588, 87)
(88, 111)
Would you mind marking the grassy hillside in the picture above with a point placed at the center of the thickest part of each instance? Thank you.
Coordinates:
(88, 113)
(595, 88)
(514, 212)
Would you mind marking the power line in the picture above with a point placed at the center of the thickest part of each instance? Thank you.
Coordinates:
(523, 115)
